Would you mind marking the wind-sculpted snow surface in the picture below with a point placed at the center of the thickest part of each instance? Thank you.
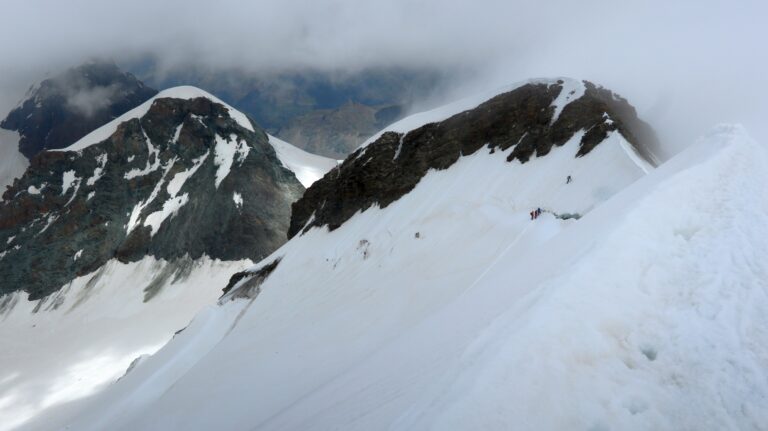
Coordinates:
(114, 239)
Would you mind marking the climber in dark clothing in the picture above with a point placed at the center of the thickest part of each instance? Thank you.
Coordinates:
(568, 180)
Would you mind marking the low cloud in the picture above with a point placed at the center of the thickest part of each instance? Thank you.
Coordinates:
(91, 100)
(686, 65)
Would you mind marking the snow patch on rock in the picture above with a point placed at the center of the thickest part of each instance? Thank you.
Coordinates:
(99, 171)
(225, 153)
(68, 179)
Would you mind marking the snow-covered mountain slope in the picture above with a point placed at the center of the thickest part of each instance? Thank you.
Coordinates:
(120, 240)
(182, 174)
(307, 167)
(12, 162)
(449, 308)
(525, 122)
(647, 313)
(65, 348)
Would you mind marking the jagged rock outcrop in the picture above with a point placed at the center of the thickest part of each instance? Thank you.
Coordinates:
(183, 175)
(526, 122)
(63, 109)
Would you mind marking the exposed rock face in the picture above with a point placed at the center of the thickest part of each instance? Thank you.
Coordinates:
(521, 121)
(184, 179)
(65, 108)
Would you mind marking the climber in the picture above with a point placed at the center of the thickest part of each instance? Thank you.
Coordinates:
(568, 180)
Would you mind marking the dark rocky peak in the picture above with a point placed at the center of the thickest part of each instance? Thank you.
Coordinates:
(179, 177)
(60, 110)
(525, 122)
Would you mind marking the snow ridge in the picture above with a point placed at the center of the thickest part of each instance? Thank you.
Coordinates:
(182, 92)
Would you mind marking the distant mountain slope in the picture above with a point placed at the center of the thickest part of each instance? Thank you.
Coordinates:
(338, 132)
(60, 110)
(181, 175)
(325, 112)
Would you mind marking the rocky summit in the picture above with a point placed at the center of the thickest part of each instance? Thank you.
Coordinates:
(182, 175)
(526, 122)
(60, 110)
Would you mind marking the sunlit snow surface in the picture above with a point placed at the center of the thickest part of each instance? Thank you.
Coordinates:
(648, 313)
(53, 358)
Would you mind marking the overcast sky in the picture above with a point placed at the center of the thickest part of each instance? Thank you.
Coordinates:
(686, 65)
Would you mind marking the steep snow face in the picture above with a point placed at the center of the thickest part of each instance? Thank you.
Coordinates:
(66, 347)
(12, 162)
(365, 326)
(307, 167)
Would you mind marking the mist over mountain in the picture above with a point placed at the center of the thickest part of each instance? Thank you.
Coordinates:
(60, 110)
(327, 112)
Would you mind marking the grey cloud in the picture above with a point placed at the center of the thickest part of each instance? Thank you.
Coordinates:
(686, 64)
(89, 101)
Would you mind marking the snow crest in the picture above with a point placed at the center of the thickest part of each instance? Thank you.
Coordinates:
(182, 92)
